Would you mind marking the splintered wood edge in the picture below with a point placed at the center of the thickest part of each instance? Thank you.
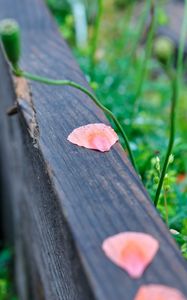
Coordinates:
(26, 106)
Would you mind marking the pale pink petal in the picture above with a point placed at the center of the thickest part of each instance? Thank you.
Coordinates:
(94, 136)
(158, 292)
(132, 251)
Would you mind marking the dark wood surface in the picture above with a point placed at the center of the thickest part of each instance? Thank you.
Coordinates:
(66, 200)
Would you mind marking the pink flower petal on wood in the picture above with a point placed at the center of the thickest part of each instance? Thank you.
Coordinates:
(158, 292)
(94, 136)
(132, 251)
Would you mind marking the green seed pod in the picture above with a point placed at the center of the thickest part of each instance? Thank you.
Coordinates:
(164, 49)
(171, 159)
(167, 187)
(11, 40)
(156, 179)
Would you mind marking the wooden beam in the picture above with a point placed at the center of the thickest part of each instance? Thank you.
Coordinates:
(66, 200)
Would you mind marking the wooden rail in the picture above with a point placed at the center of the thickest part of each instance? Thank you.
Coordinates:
(60, 201)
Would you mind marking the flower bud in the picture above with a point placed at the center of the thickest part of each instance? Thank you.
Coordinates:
(171, 159)
(156, 179)
(10, 37)
(164, 49)
(157, 164)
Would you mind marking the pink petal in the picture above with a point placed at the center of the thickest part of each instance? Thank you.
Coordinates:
(94, 136)
(132, 251)
(158, 292)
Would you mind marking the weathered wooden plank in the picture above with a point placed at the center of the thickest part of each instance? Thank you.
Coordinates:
(67, 199)
(47, 263)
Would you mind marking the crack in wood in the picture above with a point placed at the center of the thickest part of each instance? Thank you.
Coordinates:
(26, 106)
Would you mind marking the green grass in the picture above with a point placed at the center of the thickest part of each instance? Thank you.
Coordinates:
(6, 285)
(118, 62)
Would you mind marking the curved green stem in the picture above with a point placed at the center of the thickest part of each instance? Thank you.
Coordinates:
(48, 81)
(143, 68)
(171, 139)
(176, 79)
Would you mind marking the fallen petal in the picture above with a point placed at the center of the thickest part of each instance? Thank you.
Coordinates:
(132, 251)
(158, 292)
(94, 136)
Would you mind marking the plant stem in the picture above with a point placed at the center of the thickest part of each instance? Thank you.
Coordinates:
(166, 207)
(143, 67)
(94, 41)
(171, 138)
(176, 79)
(127, 23)
(48, 81)
(140, 29)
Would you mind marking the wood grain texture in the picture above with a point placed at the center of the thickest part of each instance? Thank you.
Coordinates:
(66, 200)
